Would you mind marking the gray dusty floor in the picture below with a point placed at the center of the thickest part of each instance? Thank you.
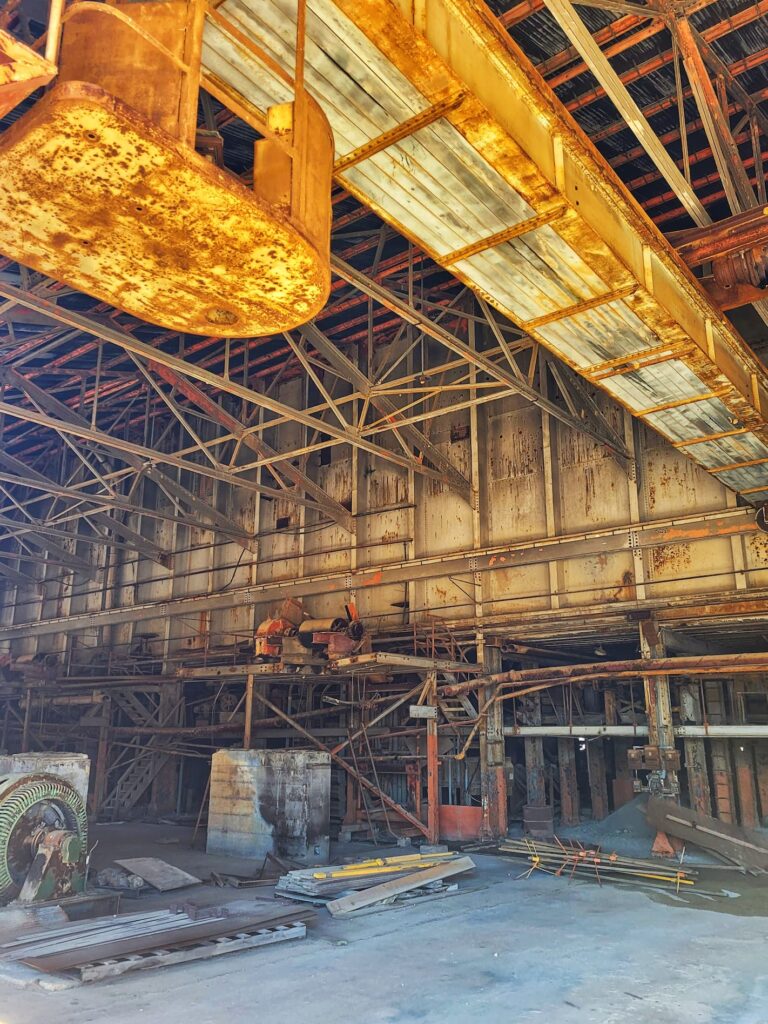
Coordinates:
(502, 950)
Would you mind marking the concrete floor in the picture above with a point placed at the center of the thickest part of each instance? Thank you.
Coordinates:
(502, 950)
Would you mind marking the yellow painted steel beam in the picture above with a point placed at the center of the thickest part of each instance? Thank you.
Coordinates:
(508, 154)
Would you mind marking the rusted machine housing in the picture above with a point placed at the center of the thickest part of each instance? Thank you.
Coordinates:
(100, 186)
(651, 758)
(268, 642)
(333, 637)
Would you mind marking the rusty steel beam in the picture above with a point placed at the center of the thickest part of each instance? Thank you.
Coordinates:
(65, 421)
(727, 158)
(498, 371)
(698, 183)
(196, 372)
(340, 582)
(617, 31)
(350, 372)
(613, 86)
(197, 397)
(639, 71)
(733, 296)
(747, 230)
(25, 476)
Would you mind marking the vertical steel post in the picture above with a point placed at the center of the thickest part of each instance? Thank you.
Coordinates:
(598, 784)
(248, 726)
(433, 768)
(53, 32)
(102, 757)
(658, 706)
(743, 759)
(569, 786)
(695, 752)
(493, 781)
(722, 773)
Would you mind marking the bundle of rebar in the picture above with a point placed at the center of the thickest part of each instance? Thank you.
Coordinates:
(571, 858)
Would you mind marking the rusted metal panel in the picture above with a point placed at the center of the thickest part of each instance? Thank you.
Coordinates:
(126, 64)
(459, 823)
(514, 505)
(443, 519)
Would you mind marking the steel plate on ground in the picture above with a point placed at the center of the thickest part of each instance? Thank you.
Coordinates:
(158, 873)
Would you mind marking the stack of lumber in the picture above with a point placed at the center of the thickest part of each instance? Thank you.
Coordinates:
(384, 877)
(386, 891)
(106, 947)
(742, 846)
(571, 858)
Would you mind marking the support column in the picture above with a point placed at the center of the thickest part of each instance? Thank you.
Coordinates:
(433, 768)
(598, 785)
(745, 770)
(102, 757)
(535, 769)
(695, 751)
(493, 778)
(569, 785)
(165, 785)
(248, 727)
(27, 721)
(722, 776)
(659, 710)
(761, 761)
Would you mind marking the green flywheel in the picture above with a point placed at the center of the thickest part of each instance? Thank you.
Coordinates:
(27, 803)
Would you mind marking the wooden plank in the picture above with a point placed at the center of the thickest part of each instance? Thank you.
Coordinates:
(348, 904)
(741, 845)
(158, 873)
(212, 947)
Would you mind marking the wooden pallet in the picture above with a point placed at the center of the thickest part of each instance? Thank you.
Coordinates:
(98, 970)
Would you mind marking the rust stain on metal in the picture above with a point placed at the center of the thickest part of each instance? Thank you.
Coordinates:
(97, 196)
(716, 529)
(670, 558)
(373, 580)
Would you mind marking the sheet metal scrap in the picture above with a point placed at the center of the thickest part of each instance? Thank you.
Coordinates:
(745, 847)
(321, 884)
(155, 938)
(572, 858)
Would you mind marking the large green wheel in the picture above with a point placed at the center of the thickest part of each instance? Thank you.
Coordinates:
(25, 805)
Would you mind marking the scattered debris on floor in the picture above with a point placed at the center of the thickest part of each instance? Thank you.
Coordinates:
(344, 888)
(109, 946)
(119, 878)
(571, 858)
(737, 845)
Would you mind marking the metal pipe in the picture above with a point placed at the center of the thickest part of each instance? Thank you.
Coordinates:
(53, 35)
(707, 664)
(735, 732)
